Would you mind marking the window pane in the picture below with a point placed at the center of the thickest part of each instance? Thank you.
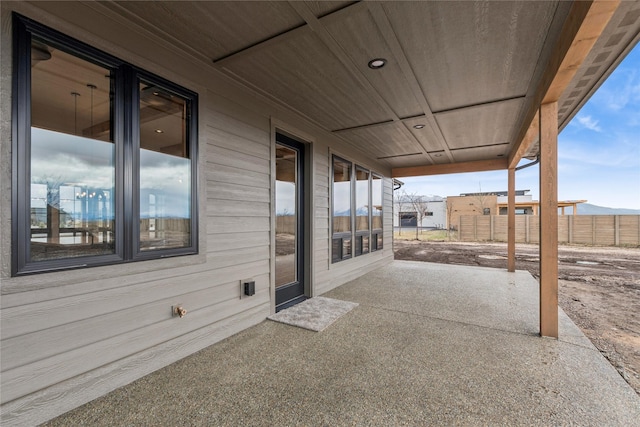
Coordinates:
(72, 156)
(286, 215)
(336, 250)
(341, 196)
(362, 199)
(346, 248)
(165, 170)
(376, 202)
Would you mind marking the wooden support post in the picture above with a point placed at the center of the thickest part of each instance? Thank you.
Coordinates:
(549, 220)
(511, 221)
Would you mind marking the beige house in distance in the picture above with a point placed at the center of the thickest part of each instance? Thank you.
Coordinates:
(495, 203)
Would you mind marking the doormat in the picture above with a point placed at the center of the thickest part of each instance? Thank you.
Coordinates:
(315, 314)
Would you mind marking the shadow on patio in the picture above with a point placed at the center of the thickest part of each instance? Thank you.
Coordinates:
(429, 344)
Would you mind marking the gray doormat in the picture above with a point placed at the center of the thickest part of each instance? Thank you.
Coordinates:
(315, 314)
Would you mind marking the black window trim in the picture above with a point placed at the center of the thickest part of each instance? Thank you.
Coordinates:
(126, 104)
(354, 234)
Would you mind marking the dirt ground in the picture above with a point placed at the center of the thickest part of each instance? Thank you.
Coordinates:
(599, 288)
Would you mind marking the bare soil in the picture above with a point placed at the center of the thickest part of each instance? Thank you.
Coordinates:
(599, 288)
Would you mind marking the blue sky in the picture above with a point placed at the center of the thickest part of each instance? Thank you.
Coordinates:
(598, 151)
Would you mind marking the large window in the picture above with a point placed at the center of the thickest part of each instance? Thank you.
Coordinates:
(363, 211)
(342, 200)
(104, 157)
(357, 210)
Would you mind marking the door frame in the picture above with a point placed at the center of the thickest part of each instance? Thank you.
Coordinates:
(306, 261)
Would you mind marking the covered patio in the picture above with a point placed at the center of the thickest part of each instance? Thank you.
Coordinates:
(429, 344)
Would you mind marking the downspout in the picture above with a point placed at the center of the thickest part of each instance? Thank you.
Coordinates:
(535, 162)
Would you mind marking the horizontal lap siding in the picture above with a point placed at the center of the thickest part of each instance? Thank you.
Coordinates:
(322, 219)
(78, 329)
(69, 337)
(48, 342)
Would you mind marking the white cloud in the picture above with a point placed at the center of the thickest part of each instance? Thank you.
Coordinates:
(589, 123)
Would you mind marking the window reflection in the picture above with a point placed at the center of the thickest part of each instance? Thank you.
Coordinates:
(165, 170)
(362, 199)
(376, 202)
(72, 156)
(341, 196)
(286, 215)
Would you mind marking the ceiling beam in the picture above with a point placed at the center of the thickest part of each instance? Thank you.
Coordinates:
(389, 35)
(334, 46)
(443, 169)
(529, 139)
(584, 25)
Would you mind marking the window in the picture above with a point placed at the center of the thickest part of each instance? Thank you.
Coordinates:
(341, 219)
(408, 219)
(376, 212)
(362, 211)
(104, 155)
(357, 210)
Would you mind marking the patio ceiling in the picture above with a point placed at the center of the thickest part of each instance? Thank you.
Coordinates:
(471, 72)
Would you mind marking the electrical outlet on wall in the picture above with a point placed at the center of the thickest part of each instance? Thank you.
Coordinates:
(247, 288)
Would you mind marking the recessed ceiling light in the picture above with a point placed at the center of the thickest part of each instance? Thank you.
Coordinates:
(437, 155)
(159, 131)
(376, 63)
(500, 155)
(418, 126)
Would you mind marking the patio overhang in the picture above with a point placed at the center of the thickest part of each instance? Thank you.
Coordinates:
(462, 83)
(463, 86)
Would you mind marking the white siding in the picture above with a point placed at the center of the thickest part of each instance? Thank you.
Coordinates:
(69, 337)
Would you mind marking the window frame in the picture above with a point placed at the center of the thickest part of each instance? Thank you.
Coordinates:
(355, 237)
(360, 235)
(126, 152)
(376, 241)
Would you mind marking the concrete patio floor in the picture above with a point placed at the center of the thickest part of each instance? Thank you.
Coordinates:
(429, 344)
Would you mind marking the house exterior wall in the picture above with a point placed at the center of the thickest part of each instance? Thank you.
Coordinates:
(69, 337)
(437, 220)
(470, 205)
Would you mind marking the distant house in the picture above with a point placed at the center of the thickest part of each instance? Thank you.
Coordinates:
(495, 203)
(434, 214)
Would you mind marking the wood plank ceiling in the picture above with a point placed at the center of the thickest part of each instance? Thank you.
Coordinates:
(459, 80)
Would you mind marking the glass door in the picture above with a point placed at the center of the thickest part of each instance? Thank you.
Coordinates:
(289, 269)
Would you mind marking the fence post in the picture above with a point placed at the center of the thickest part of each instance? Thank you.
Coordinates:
(593, 229)
(526, 229)
(616, 230)
(570, 229)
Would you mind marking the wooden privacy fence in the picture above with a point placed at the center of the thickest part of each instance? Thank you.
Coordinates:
(606, 230)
